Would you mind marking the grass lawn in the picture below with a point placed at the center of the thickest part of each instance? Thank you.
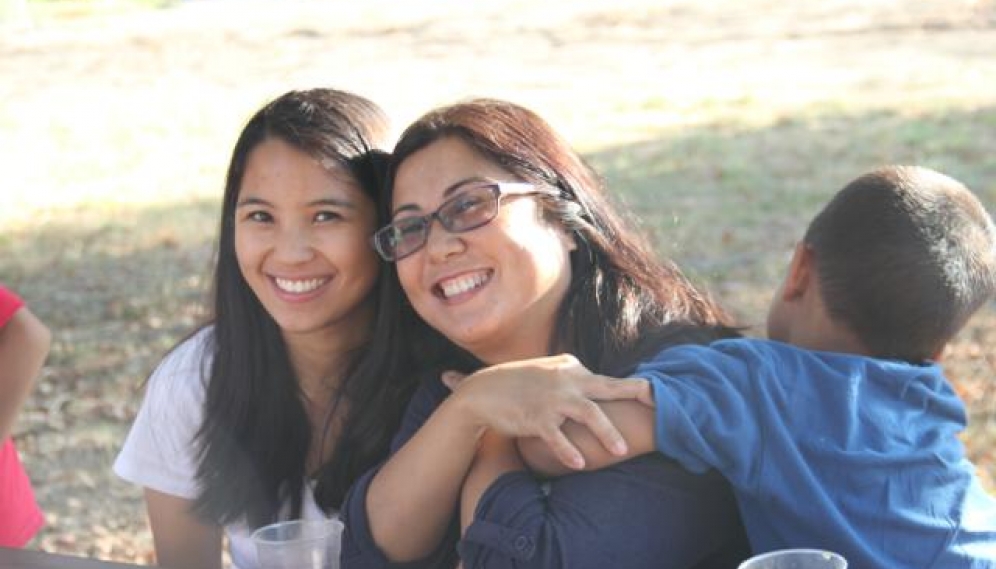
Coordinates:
(723, 125)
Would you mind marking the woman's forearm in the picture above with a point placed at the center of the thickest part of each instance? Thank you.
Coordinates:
(413, 498)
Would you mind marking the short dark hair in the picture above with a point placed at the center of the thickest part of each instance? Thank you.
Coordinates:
(623, 302)
(904, 256)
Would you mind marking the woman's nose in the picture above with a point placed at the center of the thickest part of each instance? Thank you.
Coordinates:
(294, 245)
(441, 243)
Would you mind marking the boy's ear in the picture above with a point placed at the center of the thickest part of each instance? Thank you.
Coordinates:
(800, 272)
(940, 353)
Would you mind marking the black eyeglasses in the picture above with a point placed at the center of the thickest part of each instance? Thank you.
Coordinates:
(473, 207)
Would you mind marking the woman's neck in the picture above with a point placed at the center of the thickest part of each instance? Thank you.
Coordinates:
(500, 356)
(319, 358)
(524, 344)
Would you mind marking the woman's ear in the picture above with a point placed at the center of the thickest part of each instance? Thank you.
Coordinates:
(564, 221)
(572, 210)
(574, 223)
(569, 239)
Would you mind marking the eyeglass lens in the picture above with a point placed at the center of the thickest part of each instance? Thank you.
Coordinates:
(468, 210)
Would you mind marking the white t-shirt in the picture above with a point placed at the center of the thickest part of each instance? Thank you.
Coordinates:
(160, 452)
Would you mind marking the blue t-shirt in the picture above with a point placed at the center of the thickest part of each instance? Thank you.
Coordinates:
(645, 512)
(826, 450)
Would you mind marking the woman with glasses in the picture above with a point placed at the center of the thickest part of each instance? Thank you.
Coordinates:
(505, 248)
(270, 411)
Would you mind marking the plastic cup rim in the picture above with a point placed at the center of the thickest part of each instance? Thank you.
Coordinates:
(767, 555)
(329, 525)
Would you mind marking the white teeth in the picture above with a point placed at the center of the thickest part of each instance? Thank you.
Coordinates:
(299, 287)
(462, 284)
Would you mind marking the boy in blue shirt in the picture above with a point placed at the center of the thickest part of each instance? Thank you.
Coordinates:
(840, 432)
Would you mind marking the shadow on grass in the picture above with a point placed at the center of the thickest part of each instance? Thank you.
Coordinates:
(119, 288)
(116, 286)
(729, 203)
(726, 202)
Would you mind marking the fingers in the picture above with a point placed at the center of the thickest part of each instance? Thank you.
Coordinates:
(647, 394)
(452, 379)
(641, 388)
(589, 414)
(563, 449)
(601, 388)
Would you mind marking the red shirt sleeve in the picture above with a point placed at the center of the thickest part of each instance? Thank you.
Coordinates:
(20, 516)
(9, 304)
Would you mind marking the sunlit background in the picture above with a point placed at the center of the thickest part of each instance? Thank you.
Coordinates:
(724, 125)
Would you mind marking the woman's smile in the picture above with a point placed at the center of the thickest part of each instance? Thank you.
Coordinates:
(300, 289)
(494, 289)
(301, 240)
(459, 287)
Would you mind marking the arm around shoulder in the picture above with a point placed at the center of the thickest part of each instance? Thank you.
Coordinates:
(405, 511)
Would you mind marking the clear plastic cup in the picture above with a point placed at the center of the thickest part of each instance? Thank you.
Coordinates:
(299, 544)
(796, 559)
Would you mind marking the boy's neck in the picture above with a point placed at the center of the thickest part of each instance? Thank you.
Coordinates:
(839, 340)
(815, 329)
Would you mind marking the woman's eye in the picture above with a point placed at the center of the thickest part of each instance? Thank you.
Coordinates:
(323, 216)
(467, 204)
(406, 228)
(259, 216)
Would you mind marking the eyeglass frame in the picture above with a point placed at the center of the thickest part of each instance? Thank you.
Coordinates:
(498, 190)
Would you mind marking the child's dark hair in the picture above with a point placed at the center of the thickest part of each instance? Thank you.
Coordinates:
(904, 256)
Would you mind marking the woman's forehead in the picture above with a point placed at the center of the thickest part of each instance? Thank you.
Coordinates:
(431, 172)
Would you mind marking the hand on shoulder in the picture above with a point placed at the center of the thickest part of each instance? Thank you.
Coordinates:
(537, 397)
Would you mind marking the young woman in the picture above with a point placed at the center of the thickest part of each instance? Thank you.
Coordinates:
(269, 412)
(504, 243)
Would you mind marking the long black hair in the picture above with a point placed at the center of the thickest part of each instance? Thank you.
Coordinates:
(623, 303)
(255, 436)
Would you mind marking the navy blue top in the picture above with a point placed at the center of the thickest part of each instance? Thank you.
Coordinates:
(826, 450)
(646, 512)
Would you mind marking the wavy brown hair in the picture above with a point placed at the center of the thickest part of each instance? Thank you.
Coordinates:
(624, 302)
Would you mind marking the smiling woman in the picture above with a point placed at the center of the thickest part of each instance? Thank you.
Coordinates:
(301, 235)
(270, 410)
(529, 258)
(495, 276)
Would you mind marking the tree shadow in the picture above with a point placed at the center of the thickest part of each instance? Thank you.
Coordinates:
(119, 288)
(729, 203)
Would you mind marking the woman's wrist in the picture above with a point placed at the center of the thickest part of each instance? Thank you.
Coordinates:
(460, 410)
